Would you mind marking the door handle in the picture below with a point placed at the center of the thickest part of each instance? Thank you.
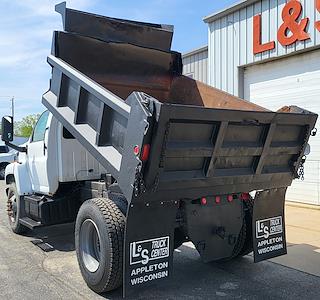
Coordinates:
(45, 140)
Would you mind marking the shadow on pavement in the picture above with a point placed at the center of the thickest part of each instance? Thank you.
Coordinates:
(60, 237)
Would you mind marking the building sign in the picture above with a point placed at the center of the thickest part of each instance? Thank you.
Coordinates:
(291, 30)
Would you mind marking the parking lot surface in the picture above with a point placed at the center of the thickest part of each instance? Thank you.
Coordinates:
(26, 272)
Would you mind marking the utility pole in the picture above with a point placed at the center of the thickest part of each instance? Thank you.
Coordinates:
(12, 107)
(12, 103)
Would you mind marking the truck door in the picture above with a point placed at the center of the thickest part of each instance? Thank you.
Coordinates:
(37, 155)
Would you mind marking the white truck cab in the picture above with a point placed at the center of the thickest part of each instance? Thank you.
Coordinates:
(53, 156)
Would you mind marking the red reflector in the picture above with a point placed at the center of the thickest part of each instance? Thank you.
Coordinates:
(203, 201)
(230, 198)
(145, 152)
(245, 196)
(136, 150)
(218, 199)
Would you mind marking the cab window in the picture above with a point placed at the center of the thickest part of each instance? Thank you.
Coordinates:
(40, 128)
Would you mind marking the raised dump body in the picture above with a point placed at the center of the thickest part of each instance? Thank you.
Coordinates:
(169, 141)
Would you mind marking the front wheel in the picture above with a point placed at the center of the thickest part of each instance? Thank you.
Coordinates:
(14, 210)
(99, 238)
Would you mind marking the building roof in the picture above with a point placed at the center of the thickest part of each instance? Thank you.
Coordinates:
(231, 9)
(195, 51)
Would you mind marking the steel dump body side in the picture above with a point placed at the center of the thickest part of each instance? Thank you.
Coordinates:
(194, 150)
(105, 28)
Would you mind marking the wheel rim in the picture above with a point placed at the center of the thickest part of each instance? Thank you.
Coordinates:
(89, 245)
(12, 208)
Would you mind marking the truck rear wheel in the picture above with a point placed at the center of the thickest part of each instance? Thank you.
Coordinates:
(244, 243)
(99, 239)
(13, 209)
(248, 242)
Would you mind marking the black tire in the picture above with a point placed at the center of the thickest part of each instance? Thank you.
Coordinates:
(103, 217)
(14, 210)
(244, 244)
(248, 241)
(120, 201)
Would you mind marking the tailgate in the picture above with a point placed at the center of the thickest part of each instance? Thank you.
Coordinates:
(222, 151)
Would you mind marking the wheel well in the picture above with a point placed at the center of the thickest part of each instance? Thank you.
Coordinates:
(10, 179)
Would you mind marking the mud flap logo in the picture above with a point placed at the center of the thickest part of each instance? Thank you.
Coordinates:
(270, 239)
(268, 227)
(149, 260)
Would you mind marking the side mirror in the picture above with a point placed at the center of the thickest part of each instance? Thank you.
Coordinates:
(7, 129)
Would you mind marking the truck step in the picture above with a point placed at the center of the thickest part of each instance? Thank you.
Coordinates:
(31, 224)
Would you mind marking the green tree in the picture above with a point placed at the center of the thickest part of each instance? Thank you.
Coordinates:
(25, 126)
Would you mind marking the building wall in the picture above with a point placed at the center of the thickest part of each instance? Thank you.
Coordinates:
(286, 75)
(231, 41)
(293, 80)
(195, 64)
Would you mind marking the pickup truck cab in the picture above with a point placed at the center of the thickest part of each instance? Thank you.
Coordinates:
(53, 156)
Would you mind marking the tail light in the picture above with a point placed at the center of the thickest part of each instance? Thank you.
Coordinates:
(203, 201)
(245, 196)
(230, 198)
(218, 199)
(144, 153)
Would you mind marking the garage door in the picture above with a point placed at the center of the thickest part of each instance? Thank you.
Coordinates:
(291, 81)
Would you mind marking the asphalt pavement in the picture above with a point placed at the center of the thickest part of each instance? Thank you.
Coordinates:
(27, 272)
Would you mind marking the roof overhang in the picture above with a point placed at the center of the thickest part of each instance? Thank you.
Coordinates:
(231, 9)
(195, 51)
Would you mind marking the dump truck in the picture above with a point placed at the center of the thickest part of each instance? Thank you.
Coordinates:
(143, 159)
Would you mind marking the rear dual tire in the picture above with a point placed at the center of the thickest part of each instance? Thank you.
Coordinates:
(99, 239)
(244, 243)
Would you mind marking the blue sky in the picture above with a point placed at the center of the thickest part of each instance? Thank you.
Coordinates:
(26, 29)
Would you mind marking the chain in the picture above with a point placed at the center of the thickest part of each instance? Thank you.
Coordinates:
(139, 186)
(301, 168)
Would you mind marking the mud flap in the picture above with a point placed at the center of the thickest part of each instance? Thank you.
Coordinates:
(269, 238)
(149, 244)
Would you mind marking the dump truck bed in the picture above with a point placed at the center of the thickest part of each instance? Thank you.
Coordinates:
(192, 148)
(114, 93)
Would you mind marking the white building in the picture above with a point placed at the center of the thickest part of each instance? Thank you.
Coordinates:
(254, 55)
(195, 64)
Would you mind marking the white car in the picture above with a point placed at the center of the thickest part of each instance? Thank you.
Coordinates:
(7, 156)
